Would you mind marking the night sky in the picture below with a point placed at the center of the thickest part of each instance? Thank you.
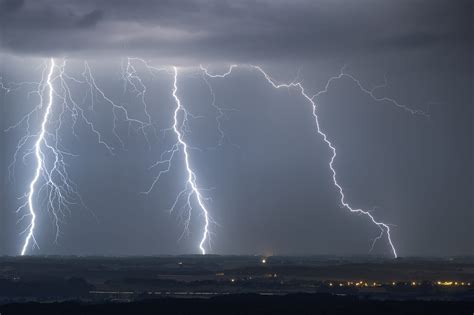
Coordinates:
(269, 181)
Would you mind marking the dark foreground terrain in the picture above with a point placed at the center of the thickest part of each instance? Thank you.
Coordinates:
(248, 304)
(235, 285)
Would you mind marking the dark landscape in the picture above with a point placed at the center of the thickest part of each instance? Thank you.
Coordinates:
(235, 285)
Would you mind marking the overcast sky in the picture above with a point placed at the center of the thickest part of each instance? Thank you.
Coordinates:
(270, 183)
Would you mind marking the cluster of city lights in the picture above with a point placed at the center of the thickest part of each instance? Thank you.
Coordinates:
(453, 283)
(369, 284)
(394, 283)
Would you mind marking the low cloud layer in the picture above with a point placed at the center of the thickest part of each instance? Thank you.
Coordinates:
(242, 31)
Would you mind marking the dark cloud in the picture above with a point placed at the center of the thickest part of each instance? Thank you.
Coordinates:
(230, 30)
(90, 19)
(11, 5)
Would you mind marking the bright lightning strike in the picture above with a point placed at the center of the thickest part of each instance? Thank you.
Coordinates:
(384, 228)
(191, 189)
(191, 176)
(51, 177)
(39, 155)
(56, 107)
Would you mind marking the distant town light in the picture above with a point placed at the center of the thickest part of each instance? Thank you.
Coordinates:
(446, 283)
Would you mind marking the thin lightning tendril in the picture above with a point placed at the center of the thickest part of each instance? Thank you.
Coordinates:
(131, 78)
(119, 112)
(221, 115)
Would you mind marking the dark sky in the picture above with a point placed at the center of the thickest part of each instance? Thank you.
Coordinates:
(271, 185)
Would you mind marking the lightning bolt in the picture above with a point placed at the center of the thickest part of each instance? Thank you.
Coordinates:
(57, 105)
(53, 176)
(191, 189)
(184, 199)
(39, 155)
(191, 181)
(383, 227)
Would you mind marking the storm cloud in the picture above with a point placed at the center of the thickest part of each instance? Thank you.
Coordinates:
(241, 31)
